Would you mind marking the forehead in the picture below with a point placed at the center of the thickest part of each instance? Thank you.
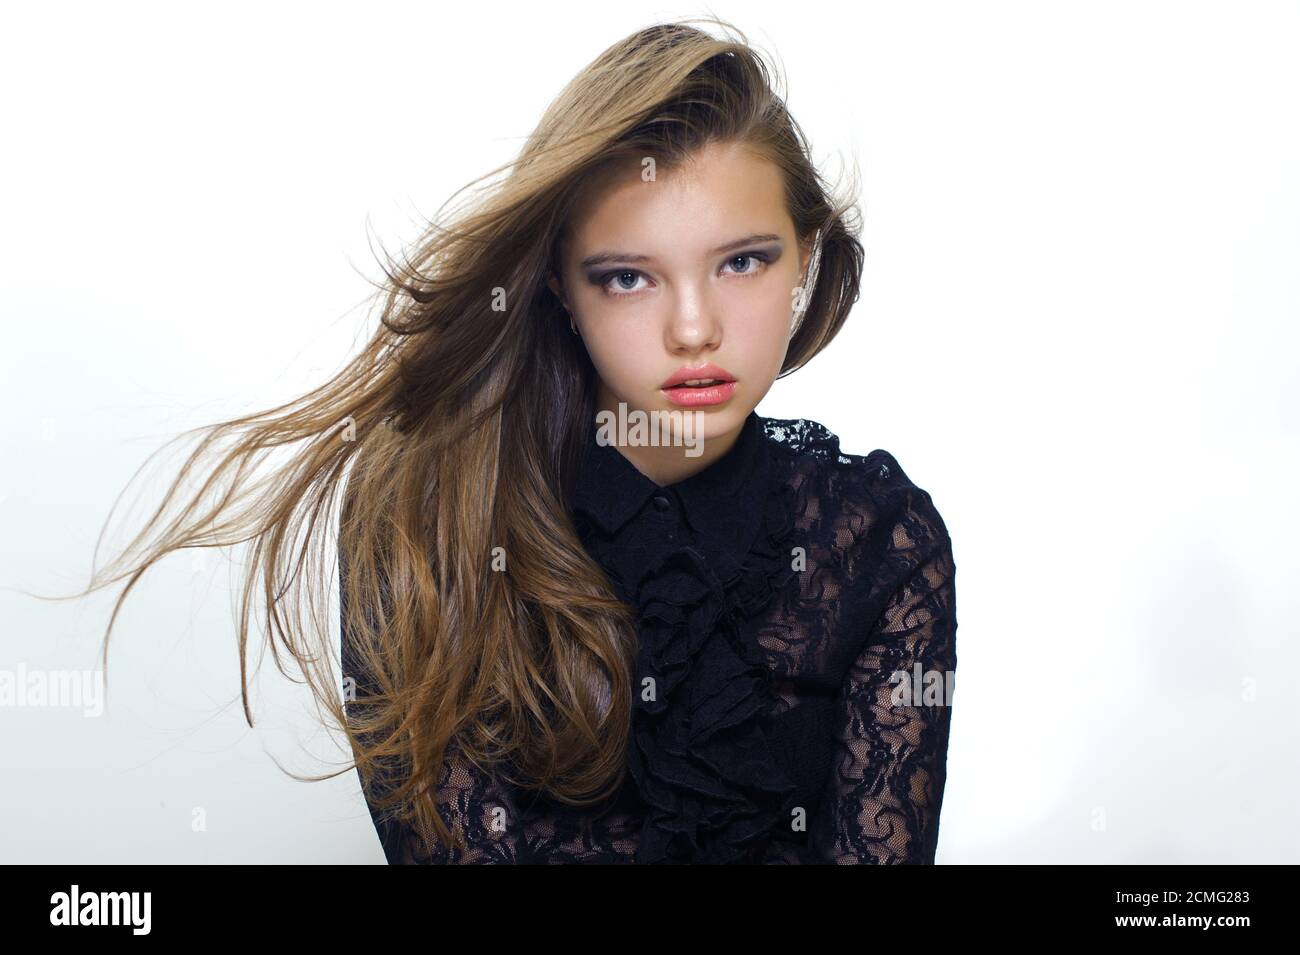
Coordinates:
(719, 189)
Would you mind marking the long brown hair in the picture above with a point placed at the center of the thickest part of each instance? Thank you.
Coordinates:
(451, 443)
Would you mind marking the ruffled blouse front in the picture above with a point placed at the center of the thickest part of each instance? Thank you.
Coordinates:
(793, 682)
(697, 560)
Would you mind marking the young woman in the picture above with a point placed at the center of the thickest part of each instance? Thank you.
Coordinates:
(570, 638)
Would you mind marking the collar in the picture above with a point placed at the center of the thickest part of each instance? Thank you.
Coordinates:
(723, 503)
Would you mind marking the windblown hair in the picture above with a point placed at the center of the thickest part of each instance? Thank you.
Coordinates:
(452, 442)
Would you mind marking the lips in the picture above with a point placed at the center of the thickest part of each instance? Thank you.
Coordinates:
(699, 386)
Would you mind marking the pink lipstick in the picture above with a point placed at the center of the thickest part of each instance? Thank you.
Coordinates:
(702, 385)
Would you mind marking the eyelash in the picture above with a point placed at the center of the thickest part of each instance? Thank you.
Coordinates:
(604, 280)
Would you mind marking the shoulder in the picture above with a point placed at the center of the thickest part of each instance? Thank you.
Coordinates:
(870, 495)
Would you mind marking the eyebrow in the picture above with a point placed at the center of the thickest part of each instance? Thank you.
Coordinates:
(600, 258)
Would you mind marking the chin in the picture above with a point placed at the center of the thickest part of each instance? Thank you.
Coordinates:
(718, 421)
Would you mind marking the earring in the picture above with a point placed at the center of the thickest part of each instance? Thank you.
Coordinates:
(572, 327)
(805, 291)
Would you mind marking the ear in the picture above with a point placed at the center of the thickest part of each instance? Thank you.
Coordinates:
(555, 285)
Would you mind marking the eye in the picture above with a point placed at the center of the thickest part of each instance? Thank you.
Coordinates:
(617, 277)
(756, 257)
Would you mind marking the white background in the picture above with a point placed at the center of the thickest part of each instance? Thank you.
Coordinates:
(1077, 330)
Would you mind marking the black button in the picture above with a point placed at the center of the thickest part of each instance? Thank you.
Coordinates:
(662, 503)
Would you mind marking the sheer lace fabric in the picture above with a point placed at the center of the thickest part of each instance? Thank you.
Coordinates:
(798, 621)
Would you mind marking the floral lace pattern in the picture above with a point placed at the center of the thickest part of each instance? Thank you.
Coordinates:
(797, 621)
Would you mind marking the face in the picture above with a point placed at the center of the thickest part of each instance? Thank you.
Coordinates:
(697, 268)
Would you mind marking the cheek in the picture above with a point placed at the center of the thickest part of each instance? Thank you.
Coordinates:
(618, 351)
(762, 331)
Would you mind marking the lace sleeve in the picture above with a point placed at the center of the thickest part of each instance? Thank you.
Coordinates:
(892, 722)
(487, 826)
(491, 823)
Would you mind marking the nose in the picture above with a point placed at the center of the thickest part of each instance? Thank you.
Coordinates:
(693, 325)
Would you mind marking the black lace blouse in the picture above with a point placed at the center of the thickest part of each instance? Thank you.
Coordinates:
(797, 620)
